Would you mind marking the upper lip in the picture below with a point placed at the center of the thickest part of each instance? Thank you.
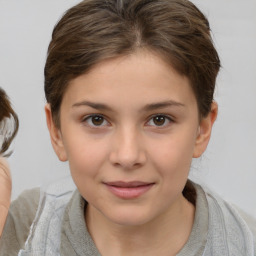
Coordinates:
(130, 184)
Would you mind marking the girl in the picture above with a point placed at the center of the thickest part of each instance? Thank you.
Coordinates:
(129, 88)
(8, 129)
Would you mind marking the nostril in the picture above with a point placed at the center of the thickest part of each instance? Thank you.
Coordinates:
(128, 161)
(127, 149)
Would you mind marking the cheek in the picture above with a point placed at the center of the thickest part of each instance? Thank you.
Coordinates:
(173, 166)
(86, 159)
(85, 155)
(172, 156)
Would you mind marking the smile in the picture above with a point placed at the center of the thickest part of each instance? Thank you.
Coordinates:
(128, 190)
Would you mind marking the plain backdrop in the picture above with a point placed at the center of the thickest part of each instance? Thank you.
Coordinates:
(229, 164)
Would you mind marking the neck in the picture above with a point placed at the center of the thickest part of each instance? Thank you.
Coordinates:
(164, 235)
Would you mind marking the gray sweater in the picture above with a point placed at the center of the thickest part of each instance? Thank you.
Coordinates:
(75, 238)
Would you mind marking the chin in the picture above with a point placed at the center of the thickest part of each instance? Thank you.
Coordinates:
(130, 217)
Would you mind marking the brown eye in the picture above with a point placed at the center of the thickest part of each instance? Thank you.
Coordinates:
(95, 120)
(159, 120)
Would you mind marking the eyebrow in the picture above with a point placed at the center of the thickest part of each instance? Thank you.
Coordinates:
(148, 107)
(98, 106)
(164, 104)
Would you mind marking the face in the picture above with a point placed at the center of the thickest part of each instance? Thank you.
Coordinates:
(129, 129)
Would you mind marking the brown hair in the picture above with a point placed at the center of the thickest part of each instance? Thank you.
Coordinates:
(95, 30)
(6, 111)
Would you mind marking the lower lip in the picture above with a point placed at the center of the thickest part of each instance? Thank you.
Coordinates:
(129, 192)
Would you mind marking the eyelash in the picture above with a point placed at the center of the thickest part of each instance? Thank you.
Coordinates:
(167, 118)
(89, 117)
(89, 122)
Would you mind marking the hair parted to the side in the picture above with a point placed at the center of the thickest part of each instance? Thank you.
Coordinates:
(7, 112)
(96, 30)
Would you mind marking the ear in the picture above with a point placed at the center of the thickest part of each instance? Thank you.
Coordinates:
(204, 131)
(55, 135)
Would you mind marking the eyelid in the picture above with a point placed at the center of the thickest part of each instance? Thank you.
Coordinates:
(168, 117)
(87, 117)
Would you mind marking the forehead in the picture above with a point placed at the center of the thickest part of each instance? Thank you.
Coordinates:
(126, 80)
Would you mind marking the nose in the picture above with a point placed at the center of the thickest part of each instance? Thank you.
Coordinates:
(128, 151)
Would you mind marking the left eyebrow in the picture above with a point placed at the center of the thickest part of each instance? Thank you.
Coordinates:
(164, 104)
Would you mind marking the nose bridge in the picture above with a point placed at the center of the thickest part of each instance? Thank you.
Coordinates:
(128, 150)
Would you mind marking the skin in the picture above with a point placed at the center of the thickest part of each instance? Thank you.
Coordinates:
(5, 191)
(132, 118)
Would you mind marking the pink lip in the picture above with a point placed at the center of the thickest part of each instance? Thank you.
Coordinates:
(128, 190)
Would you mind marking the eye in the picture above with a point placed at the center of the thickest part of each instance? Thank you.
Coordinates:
(159, 121)
(95, 121)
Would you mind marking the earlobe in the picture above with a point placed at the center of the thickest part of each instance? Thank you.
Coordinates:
(204, 131)
(55, 135)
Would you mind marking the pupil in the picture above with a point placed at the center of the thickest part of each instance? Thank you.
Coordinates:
(97, 120)
(159, 120)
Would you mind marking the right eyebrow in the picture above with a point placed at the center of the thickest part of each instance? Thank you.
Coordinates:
(98, 106)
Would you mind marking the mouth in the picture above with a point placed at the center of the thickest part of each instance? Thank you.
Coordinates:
(128, 190)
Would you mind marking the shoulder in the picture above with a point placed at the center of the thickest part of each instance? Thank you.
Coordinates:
(239, 223)
(250, 221)
(234, 211)
(27, 200)
(20, 217)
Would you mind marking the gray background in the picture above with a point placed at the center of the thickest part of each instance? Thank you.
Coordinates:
(229, 164)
